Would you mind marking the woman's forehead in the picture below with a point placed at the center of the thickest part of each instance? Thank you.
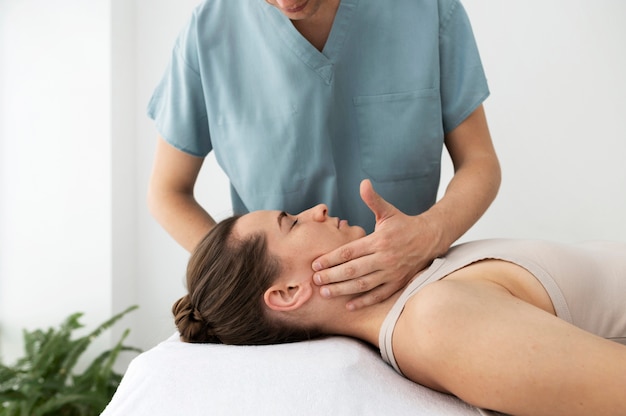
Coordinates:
(256, 221)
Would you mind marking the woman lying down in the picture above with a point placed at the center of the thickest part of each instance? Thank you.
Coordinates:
(521, 327)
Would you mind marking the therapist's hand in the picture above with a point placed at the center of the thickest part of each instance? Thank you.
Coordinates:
(380, 264)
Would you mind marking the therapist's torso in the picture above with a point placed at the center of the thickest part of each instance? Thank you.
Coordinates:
(292, 126)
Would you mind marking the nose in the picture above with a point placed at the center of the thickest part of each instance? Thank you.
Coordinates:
(319, 213)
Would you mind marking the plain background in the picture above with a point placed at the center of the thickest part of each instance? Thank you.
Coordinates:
(76, 148)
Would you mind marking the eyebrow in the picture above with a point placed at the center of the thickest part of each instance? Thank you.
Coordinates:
(282, 215)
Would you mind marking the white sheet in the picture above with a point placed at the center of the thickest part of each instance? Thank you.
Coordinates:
(331, 376)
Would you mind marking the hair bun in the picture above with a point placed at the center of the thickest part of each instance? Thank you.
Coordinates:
(195, 314)
(191, 324)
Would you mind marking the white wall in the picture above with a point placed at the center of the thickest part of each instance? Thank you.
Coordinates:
(556, 113)
(55, 165)
(73, 176)
(123, 166)
(161, 261)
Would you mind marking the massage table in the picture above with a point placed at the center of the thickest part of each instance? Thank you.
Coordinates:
(328, 376)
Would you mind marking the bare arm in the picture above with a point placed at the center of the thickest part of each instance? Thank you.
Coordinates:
(170, 195)
(381, 263)
(497, 351)
(474, 185)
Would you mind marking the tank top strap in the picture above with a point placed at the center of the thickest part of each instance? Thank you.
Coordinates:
(386, 330)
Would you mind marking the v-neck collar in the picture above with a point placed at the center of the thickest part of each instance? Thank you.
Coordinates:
(320, 62)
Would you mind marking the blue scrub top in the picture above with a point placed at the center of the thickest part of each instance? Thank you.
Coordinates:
(293, 127)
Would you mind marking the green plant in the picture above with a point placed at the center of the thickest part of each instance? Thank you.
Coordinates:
(42, 383)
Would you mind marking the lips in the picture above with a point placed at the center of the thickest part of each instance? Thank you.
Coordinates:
(297, 8)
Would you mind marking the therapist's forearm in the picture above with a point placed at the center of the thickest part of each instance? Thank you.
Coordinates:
(181, 216)
(468, 195)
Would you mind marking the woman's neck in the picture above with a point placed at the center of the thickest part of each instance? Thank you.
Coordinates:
(363, 323)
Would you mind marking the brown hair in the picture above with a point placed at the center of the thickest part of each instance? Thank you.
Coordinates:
(226, 280)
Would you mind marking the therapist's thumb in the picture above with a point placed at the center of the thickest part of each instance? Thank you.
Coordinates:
(381, 208)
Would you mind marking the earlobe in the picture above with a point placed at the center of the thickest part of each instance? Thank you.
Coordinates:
(287, 297)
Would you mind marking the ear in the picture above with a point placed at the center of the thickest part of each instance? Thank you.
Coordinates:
(288, 296)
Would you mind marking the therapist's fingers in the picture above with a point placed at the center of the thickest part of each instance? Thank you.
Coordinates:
(355, 285)
(376, 203)
(350, 261)
(346, 262)
(355, 273)
(372, 291)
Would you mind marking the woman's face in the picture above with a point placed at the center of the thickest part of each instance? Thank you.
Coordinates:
(298, 240)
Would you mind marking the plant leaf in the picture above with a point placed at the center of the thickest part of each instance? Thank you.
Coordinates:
(42, 382)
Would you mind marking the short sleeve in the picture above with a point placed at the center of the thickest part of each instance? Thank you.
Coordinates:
(178, 104)
(463, 82)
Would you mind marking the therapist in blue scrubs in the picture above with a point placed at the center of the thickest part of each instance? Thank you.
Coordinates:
(302, 99)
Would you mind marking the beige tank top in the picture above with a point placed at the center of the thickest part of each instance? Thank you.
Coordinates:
(573, 276)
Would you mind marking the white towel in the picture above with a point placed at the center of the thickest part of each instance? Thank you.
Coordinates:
(330, 376)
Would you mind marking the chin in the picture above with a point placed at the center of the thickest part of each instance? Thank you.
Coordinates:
(359, 232)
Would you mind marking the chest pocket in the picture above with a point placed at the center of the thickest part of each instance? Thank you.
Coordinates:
(400, 135)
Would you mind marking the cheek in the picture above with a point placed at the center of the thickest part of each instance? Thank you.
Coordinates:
(310, 246)
(296, 257)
